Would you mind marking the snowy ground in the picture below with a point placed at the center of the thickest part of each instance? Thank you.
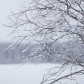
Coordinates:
(27, 74)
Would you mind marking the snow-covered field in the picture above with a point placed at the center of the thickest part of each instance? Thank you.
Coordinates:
(27, 74)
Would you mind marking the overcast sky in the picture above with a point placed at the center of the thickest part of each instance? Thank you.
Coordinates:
(5, 10)
(6, 6)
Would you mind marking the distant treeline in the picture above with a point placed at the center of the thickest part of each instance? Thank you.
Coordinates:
(15, 56)
(57, 51)
(11, 56)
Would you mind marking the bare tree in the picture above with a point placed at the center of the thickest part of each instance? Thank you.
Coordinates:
(45, 22)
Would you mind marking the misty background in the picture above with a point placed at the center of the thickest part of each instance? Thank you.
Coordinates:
(6, 6)
(10, 59)
(10, 70)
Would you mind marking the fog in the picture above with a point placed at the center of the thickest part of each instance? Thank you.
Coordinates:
(32, 73)
(6, 6)
(10, 70)
(27, 74)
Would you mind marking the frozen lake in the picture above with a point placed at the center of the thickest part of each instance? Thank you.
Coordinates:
(27, 74)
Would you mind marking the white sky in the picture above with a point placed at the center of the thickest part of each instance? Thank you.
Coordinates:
(6, 6)
(5, 10)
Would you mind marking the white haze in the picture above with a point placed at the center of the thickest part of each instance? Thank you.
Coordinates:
(27, 74)
(6, 6)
